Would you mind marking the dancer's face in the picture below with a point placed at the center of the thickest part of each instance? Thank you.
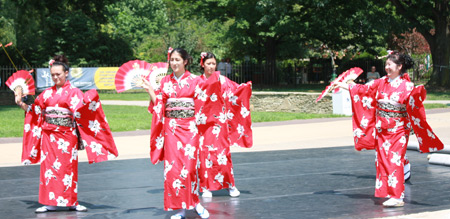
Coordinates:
(392, 69)
(177, 63)
(59, 76)
(210, 66)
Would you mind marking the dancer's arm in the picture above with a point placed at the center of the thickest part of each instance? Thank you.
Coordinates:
(20, 103)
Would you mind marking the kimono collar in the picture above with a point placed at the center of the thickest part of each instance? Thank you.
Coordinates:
(392, 80)
(185, 74)
(67, 84)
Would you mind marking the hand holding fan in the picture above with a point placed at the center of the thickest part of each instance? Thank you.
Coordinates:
(22, 83)
(130, 75)
(157, 72)
(346, 76)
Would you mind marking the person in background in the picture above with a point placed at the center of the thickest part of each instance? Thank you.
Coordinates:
(228, 68)
(373, 74)
(222, 67)
(216, 167)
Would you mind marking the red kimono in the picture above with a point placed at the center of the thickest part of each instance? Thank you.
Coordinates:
(174, 139)
(54, 124)
(216, 167)
(384, 111)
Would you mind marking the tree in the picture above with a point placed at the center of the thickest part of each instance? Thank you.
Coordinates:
(140, 23)
(411, 43)
(426, 16)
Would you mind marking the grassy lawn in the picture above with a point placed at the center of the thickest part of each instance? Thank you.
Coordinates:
(11, 121)
(134, 95)
(131, 118)
(435, 105)
(284, 116)
(438, 95)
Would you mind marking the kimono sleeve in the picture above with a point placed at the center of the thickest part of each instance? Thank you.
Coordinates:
(94, 129)
(210, 114)
(363, 118)
(239, 117)
(157, 128)
(428, 141)
(31, 146)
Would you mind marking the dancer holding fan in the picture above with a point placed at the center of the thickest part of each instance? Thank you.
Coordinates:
(60, 117)
(174, 135)
(384, 111)
(216, 167)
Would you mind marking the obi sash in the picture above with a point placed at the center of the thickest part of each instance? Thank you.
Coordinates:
(180, 108)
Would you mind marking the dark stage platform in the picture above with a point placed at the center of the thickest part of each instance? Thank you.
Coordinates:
(310, 183)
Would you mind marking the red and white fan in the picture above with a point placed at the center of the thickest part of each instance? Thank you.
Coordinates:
(129, 76)
(22, 83)
(157, 72)
(346, 76)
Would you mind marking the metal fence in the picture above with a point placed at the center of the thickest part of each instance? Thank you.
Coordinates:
(316, 71)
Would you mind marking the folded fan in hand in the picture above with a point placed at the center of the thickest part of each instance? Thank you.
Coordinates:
(157, 72)
(346, 76)
(130, 75)
(21, 82)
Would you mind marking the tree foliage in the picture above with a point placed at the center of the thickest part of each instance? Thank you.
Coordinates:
(113, 31)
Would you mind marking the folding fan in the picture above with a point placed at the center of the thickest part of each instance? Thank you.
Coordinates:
(21, 82)
(129, 76)
(157, 72)
(350, 74)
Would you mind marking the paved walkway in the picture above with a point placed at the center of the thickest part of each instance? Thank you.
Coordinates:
(270, 136)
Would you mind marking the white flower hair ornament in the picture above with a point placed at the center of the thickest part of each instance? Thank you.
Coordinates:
(202, 55)
(50, 63)
(168, 53)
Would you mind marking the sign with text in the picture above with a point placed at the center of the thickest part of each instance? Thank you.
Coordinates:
(101, 78)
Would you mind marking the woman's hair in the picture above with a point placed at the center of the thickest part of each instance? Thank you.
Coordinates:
(207, 56)
(401, 59)
(184, 55)
(62, 61)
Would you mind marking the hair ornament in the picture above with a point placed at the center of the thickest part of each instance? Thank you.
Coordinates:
(202, 55)
(50, 63)
(168, 53)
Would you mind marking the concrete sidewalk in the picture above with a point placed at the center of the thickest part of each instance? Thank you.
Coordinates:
(268, 136)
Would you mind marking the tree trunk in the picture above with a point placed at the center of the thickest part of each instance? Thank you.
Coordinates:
(440, 47)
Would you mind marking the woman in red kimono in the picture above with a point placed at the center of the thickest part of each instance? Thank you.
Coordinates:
(53, 125)
(384, 111)
(216, 167)
(174, 135)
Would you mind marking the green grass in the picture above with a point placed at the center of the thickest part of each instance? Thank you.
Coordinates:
(438, 95)
(135, 95)
(11, 121)
(435, 105)
(284, 116)
(131, 118)
(120, 118)
(127, 118)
